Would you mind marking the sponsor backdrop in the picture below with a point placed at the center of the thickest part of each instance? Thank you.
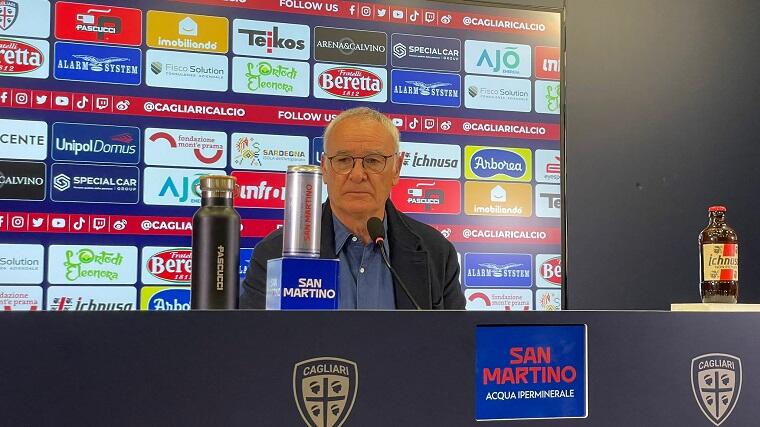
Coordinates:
(110, 113)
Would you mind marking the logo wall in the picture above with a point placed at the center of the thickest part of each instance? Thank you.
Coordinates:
(548, 271)
(181, 31)
(426, 53)
(547, 63)
(425, 88)
(22, 180)
(92, 265)
(498, 199)
(182, 70)
(350, 46)
(425, 160)
(256, 151)
(498, 94)
(548, 300)
(161, 298)
(91, 298)
(498, 299)
(189, 148)
(352, 83)
(174, 187)
(497, 59)
(24, 58)
(98, 23)
(547, 97)
(548, 201)
(21, 298)
(166, 266)
(94, 184)
(497, 164)
(21, 264)
(97, 63)
(79, 142)
(498, 270)
(270, 77)
(271, 39)
(325, 390)
(548, 166)
(716, 380)
(440, 196)
(260, 190)
(22, 18)
(23, 139)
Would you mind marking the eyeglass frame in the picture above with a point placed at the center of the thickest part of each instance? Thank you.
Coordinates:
(353, 164)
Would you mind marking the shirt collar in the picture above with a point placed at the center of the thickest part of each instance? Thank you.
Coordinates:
(342, 234)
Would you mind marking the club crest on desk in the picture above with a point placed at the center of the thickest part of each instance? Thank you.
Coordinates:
(716, 380)
(325, 389)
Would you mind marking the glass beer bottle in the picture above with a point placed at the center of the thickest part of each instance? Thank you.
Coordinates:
(719, 259)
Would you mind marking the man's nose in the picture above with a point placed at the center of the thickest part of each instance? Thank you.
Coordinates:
(358, 174)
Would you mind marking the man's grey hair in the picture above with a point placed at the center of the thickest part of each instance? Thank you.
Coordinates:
(367, 114)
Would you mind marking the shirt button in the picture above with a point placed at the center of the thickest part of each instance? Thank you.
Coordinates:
(353, 239)
(361, 270)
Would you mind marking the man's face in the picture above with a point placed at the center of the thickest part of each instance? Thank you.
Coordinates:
(360, 193)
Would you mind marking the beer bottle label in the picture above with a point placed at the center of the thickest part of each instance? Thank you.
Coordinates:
(721, 262)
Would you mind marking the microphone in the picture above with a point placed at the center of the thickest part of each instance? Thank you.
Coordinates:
(377, 234)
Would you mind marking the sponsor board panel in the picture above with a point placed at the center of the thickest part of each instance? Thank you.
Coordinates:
(498, 270)
(164, 265)
(185, 147)
(23, 18)
(548, 271)
(270, 77)
(163, 298)
(88, 183)
(183, 70)
(350, 83)
(426, 88)
(497, 93)
(497, 59)
(548, 201)
(98, 23)
(20, 298)
(174, 187)
(24, 58)
(548, 166)
(531, 372)
(80, 142)
(348, 46)
(271, 39)
(183, 31)
(426, 52)
(91, 298)
(260, 190)
(21, 263)
(23, 139)
(547, 97)
(499, 234)
(317, 149)
(424, 160)
(548, 300)
(498, 199)
(497, 163)
(257, 151)
(439, 196)
(547, 63)
(498, 299)
(22, 180)
(92, 265)
(97, 63)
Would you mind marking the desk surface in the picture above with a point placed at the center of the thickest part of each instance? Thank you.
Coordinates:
(415, 368)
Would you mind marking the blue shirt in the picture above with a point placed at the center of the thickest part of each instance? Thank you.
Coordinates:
(363, 278)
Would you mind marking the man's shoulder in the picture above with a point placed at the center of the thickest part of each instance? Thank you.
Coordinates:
(270, 246)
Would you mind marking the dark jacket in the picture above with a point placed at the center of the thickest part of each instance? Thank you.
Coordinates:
(423, 258)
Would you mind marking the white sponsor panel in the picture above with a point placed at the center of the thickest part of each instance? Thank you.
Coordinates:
(174, 187)
(548, 271)
(548, 300)
(547, 97)
(258, 151)
(166, 265)
(183, 70)
(92, 265)
(91, 298)
(21, 264)
(423, 160)
(547, 166)
(548, 201)
(24, 58)
(30, 18)
(497, 59)
(497, 93)
(258, 76)
(20, 298)
(499, 299)
(350, 82)
(271, 39)
(184, 147)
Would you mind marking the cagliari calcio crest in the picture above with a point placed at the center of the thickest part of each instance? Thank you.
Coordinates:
(325, 389)
(716, 380)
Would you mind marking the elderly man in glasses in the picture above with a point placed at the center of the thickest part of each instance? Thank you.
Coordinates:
(360, 165)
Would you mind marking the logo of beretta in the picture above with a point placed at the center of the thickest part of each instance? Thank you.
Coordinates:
(325, 389)
(716, 380)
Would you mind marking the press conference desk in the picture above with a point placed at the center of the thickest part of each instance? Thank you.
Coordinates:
(413, 369)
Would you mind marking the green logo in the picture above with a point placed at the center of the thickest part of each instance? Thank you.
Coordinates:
(89, 264)
(552, 98)
(265, 76)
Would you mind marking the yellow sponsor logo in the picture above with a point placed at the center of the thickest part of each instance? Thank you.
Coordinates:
(182, 31)
(164, 298)
(498, 199)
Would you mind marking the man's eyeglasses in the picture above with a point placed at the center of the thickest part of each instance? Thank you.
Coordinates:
(372, 163)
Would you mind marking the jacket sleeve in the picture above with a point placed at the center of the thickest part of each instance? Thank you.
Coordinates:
(254, 286)
(453, 297)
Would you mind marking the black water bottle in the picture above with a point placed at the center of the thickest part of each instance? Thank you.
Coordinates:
(216, 247)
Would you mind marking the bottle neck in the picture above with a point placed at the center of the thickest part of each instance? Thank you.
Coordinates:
(717, 219)
(217, 201)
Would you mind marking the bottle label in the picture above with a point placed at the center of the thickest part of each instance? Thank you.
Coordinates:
(721, 262)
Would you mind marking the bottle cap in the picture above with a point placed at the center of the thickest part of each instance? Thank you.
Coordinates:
(716, 209)
(218, 183)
